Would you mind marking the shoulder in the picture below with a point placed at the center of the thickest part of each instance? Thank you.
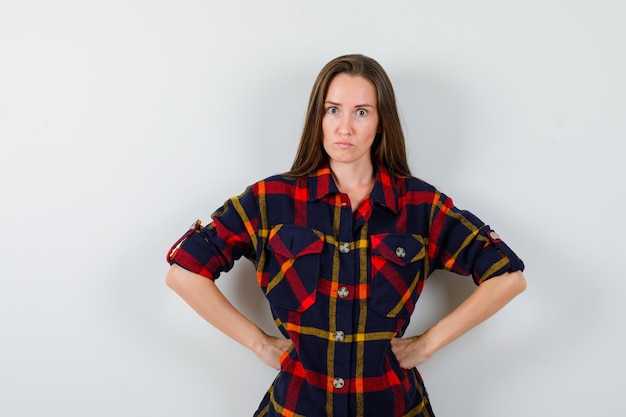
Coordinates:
(284, 178)
(277, 180)
(414, 184)
(415, 192)
(277, 183)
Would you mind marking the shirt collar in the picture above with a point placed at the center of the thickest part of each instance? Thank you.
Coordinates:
(384, 193)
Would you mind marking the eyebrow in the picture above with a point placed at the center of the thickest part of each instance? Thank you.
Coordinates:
(339, 104)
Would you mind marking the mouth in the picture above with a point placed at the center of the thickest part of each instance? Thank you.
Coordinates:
(343, 144)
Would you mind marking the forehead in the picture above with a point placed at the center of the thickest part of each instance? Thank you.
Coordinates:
(351, 89)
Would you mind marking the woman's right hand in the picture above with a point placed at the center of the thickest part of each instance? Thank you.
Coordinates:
(270, 350)
(207, 300)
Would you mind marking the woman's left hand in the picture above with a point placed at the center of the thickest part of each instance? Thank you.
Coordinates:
(487, 299)
(411, 351)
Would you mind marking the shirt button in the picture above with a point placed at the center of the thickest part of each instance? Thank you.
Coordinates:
(339, 336)
(344, 247)
(400, 252)
(338, 383)
(494, 235)
(343, 292)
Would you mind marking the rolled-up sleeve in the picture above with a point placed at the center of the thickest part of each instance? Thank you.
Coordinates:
(460, 242)
(213, 249)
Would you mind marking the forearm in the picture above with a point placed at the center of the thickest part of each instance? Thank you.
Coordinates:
(484, 302)
(208, 301)
(491, 296)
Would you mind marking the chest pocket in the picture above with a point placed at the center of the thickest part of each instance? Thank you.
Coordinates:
(397, 273)
(294, 265)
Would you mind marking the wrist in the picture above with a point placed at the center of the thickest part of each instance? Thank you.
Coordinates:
(258, 342)
(431, 342)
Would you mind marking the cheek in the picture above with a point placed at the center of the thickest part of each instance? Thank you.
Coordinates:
(325, 132)
(326, 127)
(370, 130)
(324, 124)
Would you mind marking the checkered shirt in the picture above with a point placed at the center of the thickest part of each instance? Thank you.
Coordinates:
(341, 285)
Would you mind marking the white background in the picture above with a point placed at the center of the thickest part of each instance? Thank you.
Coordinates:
(121, 122)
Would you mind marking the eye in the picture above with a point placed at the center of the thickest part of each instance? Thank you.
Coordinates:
(332, 110)
(361, 112)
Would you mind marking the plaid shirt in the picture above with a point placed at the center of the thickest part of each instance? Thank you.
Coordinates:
(341, 285)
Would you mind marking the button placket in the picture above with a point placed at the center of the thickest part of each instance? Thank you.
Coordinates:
(347, 258)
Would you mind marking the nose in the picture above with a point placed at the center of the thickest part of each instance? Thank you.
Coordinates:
(345, 125)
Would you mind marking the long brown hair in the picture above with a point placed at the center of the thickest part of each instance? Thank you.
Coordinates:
(388, 148)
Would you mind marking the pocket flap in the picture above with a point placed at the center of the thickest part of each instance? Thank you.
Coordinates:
(293, 241)
(400, 249)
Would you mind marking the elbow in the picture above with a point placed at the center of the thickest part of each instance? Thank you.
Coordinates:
(172, 278)
(518, 282)
(182, 280)
(510, 283)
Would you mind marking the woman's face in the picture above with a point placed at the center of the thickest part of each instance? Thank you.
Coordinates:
(350, 121)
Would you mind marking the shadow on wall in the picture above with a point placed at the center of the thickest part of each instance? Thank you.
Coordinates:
(242, 289)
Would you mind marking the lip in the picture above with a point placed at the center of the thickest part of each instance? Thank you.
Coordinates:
(343, 144)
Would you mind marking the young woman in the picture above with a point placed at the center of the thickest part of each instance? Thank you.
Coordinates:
(342, 245)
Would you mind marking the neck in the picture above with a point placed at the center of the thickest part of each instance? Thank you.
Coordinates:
(352, 176)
